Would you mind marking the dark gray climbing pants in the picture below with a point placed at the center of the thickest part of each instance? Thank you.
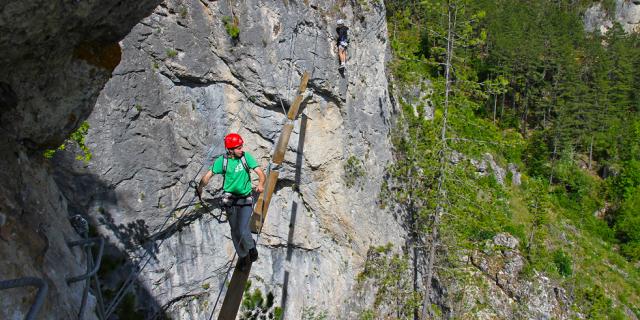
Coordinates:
(239, 218)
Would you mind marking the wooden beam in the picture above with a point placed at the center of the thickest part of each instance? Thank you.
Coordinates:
(303, 82)
(295, 106)
(293, 110)
(262, 205)
(233, 297)
(283, 141)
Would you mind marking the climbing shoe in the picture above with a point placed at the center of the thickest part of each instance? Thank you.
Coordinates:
(253, 254)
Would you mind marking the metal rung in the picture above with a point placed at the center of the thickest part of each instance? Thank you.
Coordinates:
(96, 264)
(42, 285)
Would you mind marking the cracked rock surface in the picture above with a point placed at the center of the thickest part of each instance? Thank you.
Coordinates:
(627, 14)
(505, 293)
(182, 84)
(56, 57)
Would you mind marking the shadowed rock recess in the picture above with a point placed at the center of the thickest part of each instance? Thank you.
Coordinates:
(160, 84)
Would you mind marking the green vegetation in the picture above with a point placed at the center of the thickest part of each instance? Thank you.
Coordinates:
(353, 170)
(312, 313)
(527, 85)
(77, 137)
(231, 25)
(171, 53)
(389, 273)
(184, 11)
(562, 262)
(364, 4)
(256, 306)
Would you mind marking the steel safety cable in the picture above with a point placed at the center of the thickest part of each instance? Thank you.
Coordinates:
(137, 269)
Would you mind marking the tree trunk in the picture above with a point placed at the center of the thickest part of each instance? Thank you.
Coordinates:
(525, 113)
(590, 152)
(504, 94)
(495, 103)
(426, 304)
(553, 158)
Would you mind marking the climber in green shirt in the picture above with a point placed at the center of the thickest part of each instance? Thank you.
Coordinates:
(235, 167)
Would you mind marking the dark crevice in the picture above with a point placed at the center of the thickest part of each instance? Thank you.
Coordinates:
(291, 246)
(325, 93)
(494, 279)
(188, 297)
(160, 116)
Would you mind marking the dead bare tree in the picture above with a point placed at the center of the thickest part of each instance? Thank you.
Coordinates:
(441, 191)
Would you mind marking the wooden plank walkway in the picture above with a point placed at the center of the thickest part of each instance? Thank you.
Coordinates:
(233, 297)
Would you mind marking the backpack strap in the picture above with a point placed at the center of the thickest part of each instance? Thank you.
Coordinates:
(225, 161)
(245, 165)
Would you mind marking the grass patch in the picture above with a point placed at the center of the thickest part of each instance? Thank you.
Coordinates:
(171, 53)
(231, 24)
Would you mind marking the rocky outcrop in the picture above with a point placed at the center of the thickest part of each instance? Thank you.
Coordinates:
(183, 83)
(505, 294)
(56, 57)
(160, 83)
(487, 165)
(418, 97)
(627, 13)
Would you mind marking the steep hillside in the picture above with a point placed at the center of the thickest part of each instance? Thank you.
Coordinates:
(493, 86)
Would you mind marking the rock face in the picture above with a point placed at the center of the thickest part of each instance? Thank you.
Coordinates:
(183, 83)
(56, 57)
(419, 97)
(160, 83)
(511, 296)
(627, 13)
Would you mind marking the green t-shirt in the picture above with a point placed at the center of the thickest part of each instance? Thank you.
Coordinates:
(236, 180)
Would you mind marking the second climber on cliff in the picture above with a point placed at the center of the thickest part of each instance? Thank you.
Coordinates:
(235, 168)
(343, 42)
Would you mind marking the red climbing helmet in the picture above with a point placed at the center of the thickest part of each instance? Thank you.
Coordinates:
(232, 140)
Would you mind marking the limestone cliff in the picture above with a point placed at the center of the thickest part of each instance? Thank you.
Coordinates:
(626, 12)
(160, 85)
(56, 57)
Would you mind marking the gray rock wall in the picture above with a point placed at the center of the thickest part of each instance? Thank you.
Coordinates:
(627, 13)
(183, 83)
(56, 57)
